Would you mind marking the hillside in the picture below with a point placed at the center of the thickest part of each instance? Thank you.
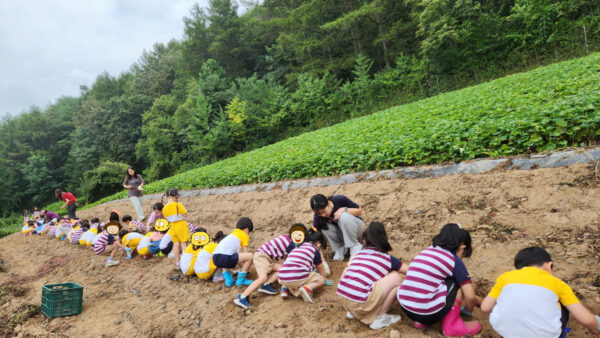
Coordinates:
(543, 109)
(505, 210)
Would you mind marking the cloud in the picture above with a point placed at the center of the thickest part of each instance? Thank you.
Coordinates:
(49, 48)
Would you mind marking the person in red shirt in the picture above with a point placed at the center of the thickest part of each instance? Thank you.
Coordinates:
(69, 200)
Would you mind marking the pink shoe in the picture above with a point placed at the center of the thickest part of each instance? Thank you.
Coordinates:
(419, 325)
(453, 325)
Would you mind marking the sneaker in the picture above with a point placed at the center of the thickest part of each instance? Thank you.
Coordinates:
(384, 320)
(242, 302)
(284, 293)
(349, 315)
(306, 294)
(160, 254)
(339, 254)
(268, 289)
(171, 255)
(111, 262)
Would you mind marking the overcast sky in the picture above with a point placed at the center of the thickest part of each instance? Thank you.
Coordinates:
(48, 48)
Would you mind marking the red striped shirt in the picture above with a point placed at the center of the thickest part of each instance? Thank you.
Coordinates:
(424, 289)
(277, 247)
(299, 263)
(76, 236)
(366, 267)
(138, 225)
(100, 243)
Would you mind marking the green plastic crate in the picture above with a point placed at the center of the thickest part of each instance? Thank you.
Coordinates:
(64, 299)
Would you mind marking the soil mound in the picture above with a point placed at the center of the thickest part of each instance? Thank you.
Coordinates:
(505, 210)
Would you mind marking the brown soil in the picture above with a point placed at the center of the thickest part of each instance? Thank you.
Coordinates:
(505, 211)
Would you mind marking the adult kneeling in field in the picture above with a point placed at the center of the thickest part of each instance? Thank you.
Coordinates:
(338, 218)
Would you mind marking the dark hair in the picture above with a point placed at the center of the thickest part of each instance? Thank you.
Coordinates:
(171, 192)
(95, 220)
(123, 232)
(127, 218)
(57, 193)
(318, 202)
(316, 236)
(218, 236)
(451, 237)
(157, 206)
(244, 223)
(532, 256)
(200, 229)
(31, 222)
(113, 217)
(376, 236)
(134, 172)
(84, 224)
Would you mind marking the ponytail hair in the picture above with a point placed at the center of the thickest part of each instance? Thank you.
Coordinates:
(451, 237)
(314, 236)
(218, 236)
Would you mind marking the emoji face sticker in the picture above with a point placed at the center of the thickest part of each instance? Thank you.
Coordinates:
(200, 238)
(113, 228)
(161, 224)
(297, 233)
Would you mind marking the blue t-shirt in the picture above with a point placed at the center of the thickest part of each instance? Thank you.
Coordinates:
(396, 263)
(460, 273)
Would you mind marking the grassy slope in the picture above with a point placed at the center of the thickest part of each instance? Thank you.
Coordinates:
(543, 109)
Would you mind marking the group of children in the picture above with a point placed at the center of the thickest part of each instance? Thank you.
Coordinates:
(434, 287)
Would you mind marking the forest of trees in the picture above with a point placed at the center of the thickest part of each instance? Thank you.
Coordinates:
(237, 82)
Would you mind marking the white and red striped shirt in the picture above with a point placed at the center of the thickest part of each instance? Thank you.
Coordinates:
(100, 243)
(299, 263)
(138, 225)
(76, 236)
(424, 289)
(192, 228)
(276, 248)
(366, 267)
(52, 231)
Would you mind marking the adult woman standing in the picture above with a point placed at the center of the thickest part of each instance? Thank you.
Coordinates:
(69, 200)
(134, 182)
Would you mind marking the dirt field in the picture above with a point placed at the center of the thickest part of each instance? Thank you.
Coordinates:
(504, 210)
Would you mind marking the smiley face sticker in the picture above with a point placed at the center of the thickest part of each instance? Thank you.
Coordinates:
(200, 238)
(113, 228)
(298, 233)
(161, 224)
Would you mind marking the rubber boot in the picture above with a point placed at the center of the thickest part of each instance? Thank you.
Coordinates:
(241, 279)
(453, 325)
(228, 278)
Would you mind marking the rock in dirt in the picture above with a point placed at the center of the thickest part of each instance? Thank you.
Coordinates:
(394, 334)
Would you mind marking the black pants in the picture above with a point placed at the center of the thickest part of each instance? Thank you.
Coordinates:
(71, 210)
(438, 316)
(564, 318)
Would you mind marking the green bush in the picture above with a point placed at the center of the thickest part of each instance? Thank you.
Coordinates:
(106, 179)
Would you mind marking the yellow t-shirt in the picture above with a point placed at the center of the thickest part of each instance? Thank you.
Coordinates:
(527, 303)
(174, 212)
(232, 243)
(204, 266)
(132, 240)
(188, 259)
